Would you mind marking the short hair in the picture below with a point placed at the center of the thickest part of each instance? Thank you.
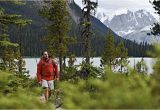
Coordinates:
(43, 52)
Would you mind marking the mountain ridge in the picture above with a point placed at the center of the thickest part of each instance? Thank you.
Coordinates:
(131, 21)
(34, 33)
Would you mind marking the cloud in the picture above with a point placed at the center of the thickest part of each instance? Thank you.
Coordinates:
(119, 4)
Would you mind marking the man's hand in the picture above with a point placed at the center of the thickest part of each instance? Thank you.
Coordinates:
(57, 79)
(40, 82)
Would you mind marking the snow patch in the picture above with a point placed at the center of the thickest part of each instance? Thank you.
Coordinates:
(139, 15)
(147, 28)
(122, 33)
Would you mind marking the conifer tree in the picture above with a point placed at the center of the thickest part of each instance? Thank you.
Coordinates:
(156, 28)
(109, 54)
(71, 61)
(21, 62)
(122, 54)
(57, 39)
(141, 67)
(86, 27)
(9, 51)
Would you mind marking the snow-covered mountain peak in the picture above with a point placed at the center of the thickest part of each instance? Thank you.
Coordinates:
(102, 16)
(143, 11)
(143, 35)
(121, 11)
(147, 28)
(129, 21)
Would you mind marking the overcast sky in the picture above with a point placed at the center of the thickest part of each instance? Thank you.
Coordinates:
(113, 5)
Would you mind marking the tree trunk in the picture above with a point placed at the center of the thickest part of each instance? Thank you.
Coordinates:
(110, 63)
(64, 61)
(20, 50)
(121, 65)
(60, 64)
(20, 65)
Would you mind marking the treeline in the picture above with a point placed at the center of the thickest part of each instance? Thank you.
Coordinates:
(33, 34)
(134, 49)
(33, 44)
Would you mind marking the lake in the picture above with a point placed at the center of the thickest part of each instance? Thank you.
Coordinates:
(31, 63)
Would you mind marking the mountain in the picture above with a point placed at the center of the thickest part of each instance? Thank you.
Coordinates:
(123, 21)
(33, 34)
(102, 15)
(143, 35)
(36, 31)
(97, 26)
(128, 22)
(134, 26)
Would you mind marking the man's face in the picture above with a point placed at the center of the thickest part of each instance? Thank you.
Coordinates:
(45, 55)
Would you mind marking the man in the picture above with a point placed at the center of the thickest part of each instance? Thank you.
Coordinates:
(47, 70)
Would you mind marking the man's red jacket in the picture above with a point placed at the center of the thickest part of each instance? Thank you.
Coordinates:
(47, 70)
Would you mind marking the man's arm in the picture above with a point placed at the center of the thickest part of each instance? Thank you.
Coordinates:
(56, 69)
(39, 72)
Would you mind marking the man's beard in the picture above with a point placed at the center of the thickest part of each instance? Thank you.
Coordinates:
(46, 58)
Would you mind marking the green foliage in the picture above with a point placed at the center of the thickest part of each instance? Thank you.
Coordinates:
(86, 27)
(113, 90)
(109, 55)
(156, 28)
(9, 51)
(156, 67)
(19, 92)
(122, 54)
(87, 70)
(115, 57)
(156, 74)
(117, 91)
(141, 67)
(58, 27)
(69, 73)
(21, 101)
(71, 61)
